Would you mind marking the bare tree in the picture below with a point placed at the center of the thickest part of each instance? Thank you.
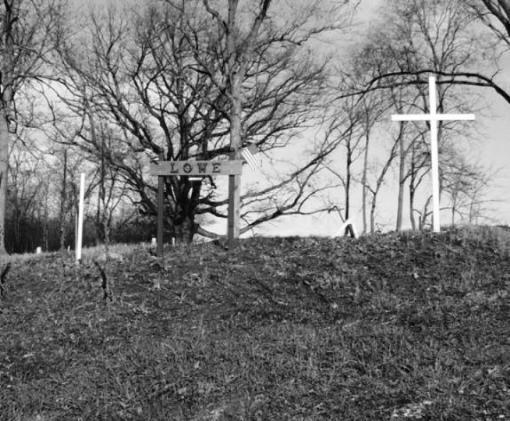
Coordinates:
(379, 182)
(172, 83)
(484, 67)
(495, 14)
(27, 28)
(26, 194)
(346, 130)
(374, 108)
(419, 167)
(466, 185)
(416, 35)
(236, 55)
(63, 201)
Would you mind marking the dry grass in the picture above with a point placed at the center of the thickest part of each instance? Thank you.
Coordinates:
(411, 326)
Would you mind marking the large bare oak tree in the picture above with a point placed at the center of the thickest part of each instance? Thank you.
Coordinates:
(198, 80)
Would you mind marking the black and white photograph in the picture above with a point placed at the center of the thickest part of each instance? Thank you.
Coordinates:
(255, 210)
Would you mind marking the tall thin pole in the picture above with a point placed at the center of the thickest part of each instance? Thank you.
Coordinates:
(79, 235)
(161, 209)
(434, 155)
(63, 197)
(234, 181)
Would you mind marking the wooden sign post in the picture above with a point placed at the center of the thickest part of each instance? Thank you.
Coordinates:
(433, 118)
(195, 168)
(161, 207)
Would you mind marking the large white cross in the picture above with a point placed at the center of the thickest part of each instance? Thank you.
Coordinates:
(433, 118)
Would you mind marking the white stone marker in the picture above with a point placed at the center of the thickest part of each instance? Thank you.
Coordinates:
(79, 234)
(433, 118)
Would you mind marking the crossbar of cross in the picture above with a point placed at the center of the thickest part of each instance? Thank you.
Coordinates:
(433, 117)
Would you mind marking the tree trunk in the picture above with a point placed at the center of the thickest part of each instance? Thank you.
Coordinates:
(364, 182)
(425, 213)
(454, 208)
(185, 231)
(102, 193)
(63, 201)
(401, 181)
(349, 232)
(98, 222)
(238, 57)
(372, 215)
(412, 193)
(471, 212)
(46, 224)
(4, 165)
(234, 181)
(348, 181)
(412, 189)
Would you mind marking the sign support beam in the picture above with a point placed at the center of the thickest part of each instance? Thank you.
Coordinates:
(161, 209)
(232, 168)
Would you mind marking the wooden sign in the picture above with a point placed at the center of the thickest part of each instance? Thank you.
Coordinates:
(233, 168)
(433, 117)
(194, 168)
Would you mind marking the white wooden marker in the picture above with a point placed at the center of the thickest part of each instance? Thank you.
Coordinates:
(433, 118)
(79, 234)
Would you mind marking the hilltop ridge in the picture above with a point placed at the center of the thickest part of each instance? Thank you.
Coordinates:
(278, 328)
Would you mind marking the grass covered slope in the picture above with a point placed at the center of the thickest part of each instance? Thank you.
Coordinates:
(384, 327)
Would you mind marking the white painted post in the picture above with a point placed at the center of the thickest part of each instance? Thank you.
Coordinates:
(79, 234)
(433, 118)
(434, 154)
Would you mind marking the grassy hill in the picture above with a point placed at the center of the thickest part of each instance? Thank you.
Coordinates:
(408, 326)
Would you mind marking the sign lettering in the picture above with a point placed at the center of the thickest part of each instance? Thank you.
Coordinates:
(192, 168)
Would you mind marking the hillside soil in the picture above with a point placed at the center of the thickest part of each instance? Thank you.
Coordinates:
(386, 327)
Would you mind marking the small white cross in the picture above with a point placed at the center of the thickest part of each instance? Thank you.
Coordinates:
(433, 117)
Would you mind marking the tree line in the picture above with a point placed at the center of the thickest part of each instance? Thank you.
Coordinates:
(107, 91)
